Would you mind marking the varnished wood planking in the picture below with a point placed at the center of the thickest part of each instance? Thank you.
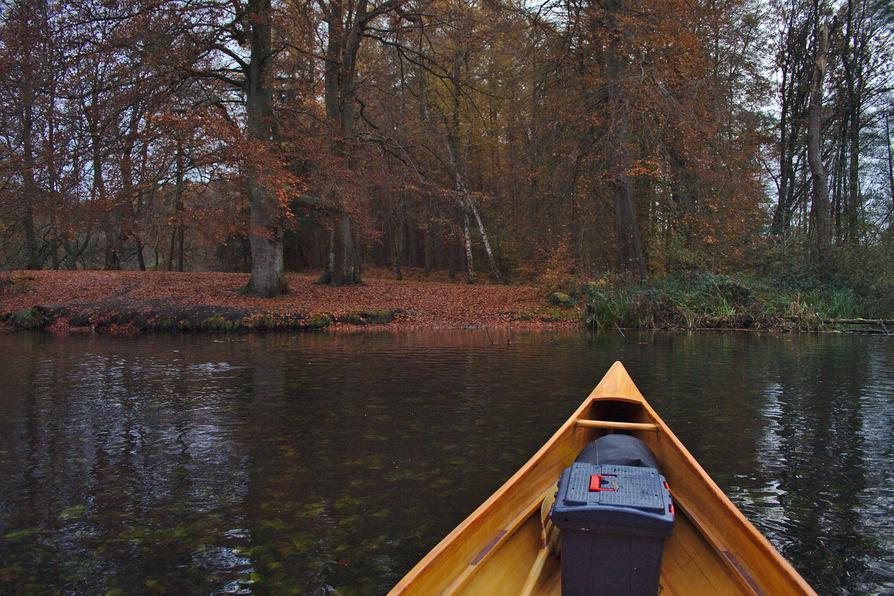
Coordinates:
(551, 579)
(504, 574)
(702, 569)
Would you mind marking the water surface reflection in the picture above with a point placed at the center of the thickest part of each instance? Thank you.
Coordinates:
(195, 464)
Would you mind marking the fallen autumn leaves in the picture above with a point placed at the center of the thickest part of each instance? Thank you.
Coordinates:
(128, 301)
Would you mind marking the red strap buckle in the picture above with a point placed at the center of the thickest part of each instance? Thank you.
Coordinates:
(596, 484)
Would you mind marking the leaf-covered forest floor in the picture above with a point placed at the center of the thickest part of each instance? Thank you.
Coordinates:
(129, 301)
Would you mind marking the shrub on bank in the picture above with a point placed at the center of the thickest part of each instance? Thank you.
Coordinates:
(717, 301)
(35, 317)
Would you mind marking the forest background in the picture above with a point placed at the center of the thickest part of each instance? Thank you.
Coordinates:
(609, 143)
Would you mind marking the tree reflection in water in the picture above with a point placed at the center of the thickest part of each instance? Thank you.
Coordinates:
(195, 464)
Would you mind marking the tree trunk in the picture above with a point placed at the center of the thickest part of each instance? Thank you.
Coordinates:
(265, 233)
(629, 243)
(428, 244)
(794, 92)
(397, 244)
(111, 260)
(890, 163)
(778, 227)
(838, 183)
(73, 251)
(141, 259)
(172, 249)
(53, 174)
(339, 71)
(411, 244)
(852, 67)
(467, 247)
(819, 209)
(180, 235)
(179, 173)
(29, 186)
(126, 212)
(344, 267)
(487, 249)
(449, 243)
(466, 203)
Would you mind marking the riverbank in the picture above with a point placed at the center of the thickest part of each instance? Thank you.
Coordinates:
(129, 301)
(710, 301)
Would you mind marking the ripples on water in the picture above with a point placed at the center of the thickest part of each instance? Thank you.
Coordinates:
(246, 464)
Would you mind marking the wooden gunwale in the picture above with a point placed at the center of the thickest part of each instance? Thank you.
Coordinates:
(492, 547)
(750, 561)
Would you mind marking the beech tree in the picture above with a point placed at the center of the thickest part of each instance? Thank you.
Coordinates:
(346, 25)
(25, 70)
(240, 52)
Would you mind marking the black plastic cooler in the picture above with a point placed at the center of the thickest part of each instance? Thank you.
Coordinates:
(613, 518)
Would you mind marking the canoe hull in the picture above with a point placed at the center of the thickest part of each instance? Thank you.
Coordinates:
(713, 548)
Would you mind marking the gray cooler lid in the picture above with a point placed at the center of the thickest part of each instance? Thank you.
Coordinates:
(598, 497)
(619, 486)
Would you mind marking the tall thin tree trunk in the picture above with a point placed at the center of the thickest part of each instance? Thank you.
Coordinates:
(111, 259)
(819, 209)
(794, 94)
(53, 174)
(428, 249)
(466, 202)
(179, 172)
(838, 184)
(397, 243)
(490, 254)
(777, 228)
(629, 242)
(890, 163)
(29, 189)
(452, 144)
(851, 61)
(180, 235)
(140, 205)
(451, 256)
(171, 250)
(467, 246)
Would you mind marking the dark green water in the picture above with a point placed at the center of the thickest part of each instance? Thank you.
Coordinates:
(195, 464)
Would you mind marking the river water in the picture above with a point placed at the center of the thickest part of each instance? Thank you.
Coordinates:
(302, 463)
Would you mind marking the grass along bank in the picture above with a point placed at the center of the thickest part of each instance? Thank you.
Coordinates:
(710, 301)
(127, 301)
